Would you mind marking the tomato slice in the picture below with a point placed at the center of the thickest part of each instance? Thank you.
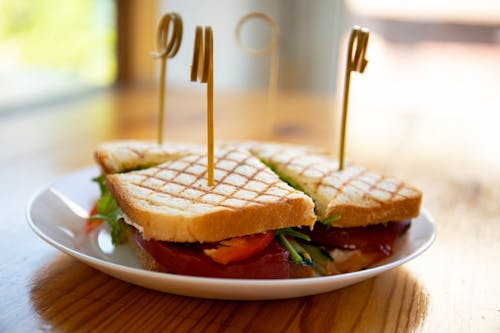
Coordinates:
(370, 238)
(189, 259)
(239, 248)
(92, 224)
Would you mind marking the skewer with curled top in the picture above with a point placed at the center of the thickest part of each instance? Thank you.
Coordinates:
(202, 70)
(167, 48)
(356, 61)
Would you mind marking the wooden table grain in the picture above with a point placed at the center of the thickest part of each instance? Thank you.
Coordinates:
(453, 287)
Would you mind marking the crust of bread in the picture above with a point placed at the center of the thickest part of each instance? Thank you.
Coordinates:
(126, 155)
(393, 210)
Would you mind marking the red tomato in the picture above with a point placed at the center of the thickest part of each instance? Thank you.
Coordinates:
(189, 259)
(239, 248)
(92, 224)
(369, 238)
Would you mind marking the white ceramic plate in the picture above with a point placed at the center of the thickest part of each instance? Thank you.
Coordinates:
(57, 214)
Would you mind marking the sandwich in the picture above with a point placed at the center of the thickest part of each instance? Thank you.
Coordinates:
(179, 224)
(361, 213)
(286, 207)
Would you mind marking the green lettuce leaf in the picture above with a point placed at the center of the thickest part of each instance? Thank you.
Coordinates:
(297, 253)
(328, 221)
(108, 210)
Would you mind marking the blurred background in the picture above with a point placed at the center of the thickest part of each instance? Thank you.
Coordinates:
(431, 89)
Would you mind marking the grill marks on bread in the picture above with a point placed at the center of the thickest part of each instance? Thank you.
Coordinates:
(120, 156)
(173, 201)
(241, 180)
(358, 195)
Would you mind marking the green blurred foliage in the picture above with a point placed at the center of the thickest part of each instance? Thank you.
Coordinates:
(74, 36)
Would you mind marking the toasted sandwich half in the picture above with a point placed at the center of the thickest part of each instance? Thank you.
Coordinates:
(185, 225)
(353, 197)
(126, 155)
(361, 214)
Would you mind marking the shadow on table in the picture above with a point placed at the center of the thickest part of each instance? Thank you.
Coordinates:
(69, 295)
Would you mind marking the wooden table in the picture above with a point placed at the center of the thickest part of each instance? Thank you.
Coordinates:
(453, 287)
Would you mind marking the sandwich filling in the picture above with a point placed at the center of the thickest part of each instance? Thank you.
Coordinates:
(255, 257)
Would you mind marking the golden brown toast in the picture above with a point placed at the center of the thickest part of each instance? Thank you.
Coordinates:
(121, 156)
(127, 155)
(352, 197)
(173, 201)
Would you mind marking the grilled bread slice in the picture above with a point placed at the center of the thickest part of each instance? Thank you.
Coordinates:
(121, 156)
(352, 197)
(172, 201)
(126, 155)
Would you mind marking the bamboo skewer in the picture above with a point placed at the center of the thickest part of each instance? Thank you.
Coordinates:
(273, 50)
(202, 70)
(166, 49)
(358, 43)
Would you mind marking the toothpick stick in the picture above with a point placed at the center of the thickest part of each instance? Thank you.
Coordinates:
(166, 49)
(272, 49)
(355, 62)
(202, 70)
